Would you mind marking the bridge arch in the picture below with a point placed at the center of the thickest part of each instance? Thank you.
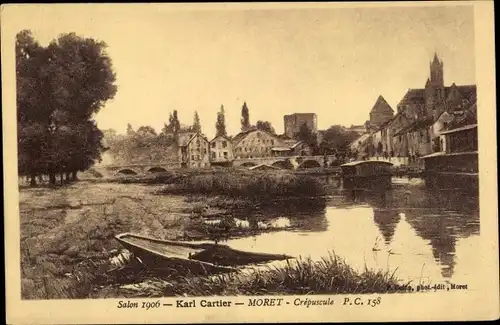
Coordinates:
(248, 164)
(156, 169)
(309, 164)
(126, 171)
(283, 164)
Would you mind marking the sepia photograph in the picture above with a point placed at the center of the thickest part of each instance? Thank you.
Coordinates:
(171, 158)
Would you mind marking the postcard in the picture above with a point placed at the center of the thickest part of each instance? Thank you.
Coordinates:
(249, 162)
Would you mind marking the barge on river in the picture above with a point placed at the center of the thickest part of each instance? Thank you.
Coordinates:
(366, 174)
(456, 166)
(190, 258)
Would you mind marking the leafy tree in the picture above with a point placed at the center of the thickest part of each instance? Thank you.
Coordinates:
(245, 118)
(146, 131)
(196, 123)
(220, 124)
(265, 126)
(176, 124)
(337, 140)
(59, 89)
(305, 134)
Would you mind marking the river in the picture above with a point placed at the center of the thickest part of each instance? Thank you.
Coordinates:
(423, 235)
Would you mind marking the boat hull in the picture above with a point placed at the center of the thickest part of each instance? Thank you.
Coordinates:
(190, 258)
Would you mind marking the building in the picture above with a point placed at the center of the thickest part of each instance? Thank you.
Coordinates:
(221, 150)
(291, 148)
(194, 150)
(255, 143)
(380, 114)
(422, 114)
(293, 122)
(456, 164)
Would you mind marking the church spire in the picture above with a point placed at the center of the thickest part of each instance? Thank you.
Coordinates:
(437, 74)
(436, 59)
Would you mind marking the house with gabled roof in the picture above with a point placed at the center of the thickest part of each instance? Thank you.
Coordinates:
(194, 150)
(221, 150)
(380, 113)
(255, 143)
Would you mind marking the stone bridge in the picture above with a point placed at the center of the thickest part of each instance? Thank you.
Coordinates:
(135, 169)
(293, 162)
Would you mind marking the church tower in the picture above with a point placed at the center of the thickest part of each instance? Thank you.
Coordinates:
(437, 75)
(434, 89)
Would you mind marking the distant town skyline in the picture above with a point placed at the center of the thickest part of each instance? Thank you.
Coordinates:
(332, 62)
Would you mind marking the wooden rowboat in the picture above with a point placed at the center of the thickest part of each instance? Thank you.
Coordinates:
(186, 257)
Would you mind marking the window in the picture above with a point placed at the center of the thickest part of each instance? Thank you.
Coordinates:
(225, 154)
(214, 155)
(198, 157)
(213, 144)
(224, 144)
(272, 142)
(192, 157)
(220, 154)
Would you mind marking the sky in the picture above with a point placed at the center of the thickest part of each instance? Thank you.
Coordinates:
(334, 62)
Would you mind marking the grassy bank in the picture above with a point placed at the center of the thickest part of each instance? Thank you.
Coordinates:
(241, 184)
(67, 234)
(331, 275)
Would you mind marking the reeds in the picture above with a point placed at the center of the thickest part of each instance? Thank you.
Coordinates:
(330, 275)
(248, 185)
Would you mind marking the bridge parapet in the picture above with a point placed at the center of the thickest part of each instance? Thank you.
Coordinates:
(295, 161)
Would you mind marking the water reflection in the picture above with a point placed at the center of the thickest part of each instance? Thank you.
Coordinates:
(303, 215)
(428, 235)
(386, 221)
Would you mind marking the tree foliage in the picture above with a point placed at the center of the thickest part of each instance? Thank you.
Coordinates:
(310, 138)
(59, 89)
(220, 124)
(196, 123)
(245, 118)
(265, 126)
(143, 146)
(336, 139)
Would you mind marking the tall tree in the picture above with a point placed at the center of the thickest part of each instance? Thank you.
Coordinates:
(220, 125)
(176, 125)
(265, 126)
(196, 123)
(245, 118)
(33, 104)
(60, 88)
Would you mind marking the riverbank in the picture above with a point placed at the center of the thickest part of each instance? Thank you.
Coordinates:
(331, 275)
(67, 234)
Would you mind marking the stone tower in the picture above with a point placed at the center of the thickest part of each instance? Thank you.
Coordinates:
(437, 75)
(434, 89)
